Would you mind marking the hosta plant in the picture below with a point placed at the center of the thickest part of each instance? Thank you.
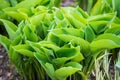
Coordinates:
(57, 43)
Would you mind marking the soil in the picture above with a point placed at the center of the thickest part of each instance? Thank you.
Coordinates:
(7, 69)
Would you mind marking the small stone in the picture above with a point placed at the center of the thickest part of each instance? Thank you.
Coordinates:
(1, 57)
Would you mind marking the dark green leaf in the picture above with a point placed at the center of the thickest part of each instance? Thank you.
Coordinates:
(89, 34)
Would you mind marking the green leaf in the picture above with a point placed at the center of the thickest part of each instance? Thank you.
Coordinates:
(24, 4)
(83, 13)
(14, 56)
(54, 34)
(74, 22)
(101, 17)
(118, 62)
(64, 72)
(74, 65)
(109, 36)
(75, 41)
(4, 4)
(44, 2)
(35, 46)
(24, 50)
(70, 53)
(49, 45)
(59, 62)
(99, 26)
(105, 41)
(62, 24)
(89, 34)
(78, 17)
(48, 18)
(66, 54)
(13, 2)
(49, 69)
(59, 15)
(101, 7)
(29, 33)
(42, 59)
(69, 31)
(117, 7)
(113, 30)
(17, 40)
(16, 14)
(36, 19)
(2, 15)
(97, 7)
(5, 42)
(103, 44)
(10, 28)
(20, 28)
(45, 48)
(58, 3)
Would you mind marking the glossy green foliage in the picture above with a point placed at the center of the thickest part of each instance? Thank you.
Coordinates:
(58, 43)
(10, 28)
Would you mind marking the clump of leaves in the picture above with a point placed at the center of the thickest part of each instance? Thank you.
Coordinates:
(57, 42)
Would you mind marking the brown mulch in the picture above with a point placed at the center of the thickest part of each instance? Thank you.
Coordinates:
(7, 69)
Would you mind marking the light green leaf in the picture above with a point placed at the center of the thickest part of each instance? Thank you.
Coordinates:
(10, 28)
(14, 56)
(36, 19)
(78, 17)
(101, 17)
(64, 72)
(109, 36)
(17, 15)
(43, 60)
(49, 69)
(102, 44)
(105, 41)
(99, 26)
(4, 4)
(49, 45)
(74, 22)
(69, 31)
(113, 30)
(76, 41)
(24, 4)
(82, 12)
(74, 64)
(24, 50)
(97, 8)
(29, 33)
(59, 15)
(5, 42)
(17, 40)
(62, 24)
